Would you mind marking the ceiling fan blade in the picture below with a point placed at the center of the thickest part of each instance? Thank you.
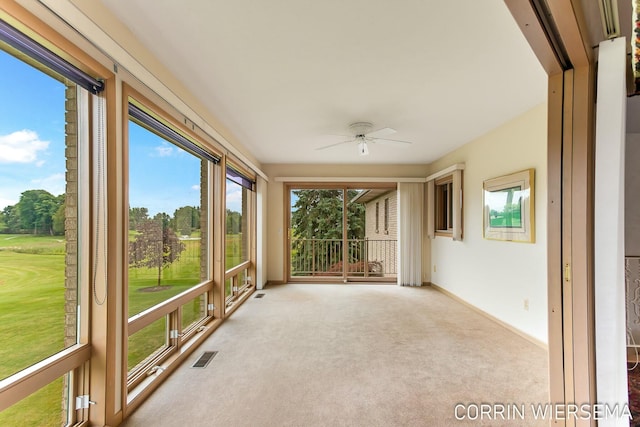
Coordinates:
(388, 141)
(380, 133)
(334, 145)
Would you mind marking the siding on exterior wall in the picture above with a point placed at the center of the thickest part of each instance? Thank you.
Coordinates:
(371, 234)
(370, 230)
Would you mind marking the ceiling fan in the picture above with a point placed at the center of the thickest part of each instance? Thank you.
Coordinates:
(362, 135)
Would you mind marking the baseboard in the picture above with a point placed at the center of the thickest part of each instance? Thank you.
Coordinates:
(491, 317)
(273, 283)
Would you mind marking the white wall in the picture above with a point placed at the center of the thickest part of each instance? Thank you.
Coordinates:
(495, 276)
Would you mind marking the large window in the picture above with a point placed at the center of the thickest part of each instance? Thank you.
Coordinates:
(239, 200)
(104, 230)
(44, 251)
(169, 275)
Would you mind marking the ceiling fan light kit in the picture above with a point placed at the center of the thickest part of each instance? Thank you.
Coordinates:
(363, 150)
(362, 135)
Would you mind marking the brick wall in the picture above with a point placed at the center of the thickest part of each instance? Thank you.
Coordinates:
(70, 228)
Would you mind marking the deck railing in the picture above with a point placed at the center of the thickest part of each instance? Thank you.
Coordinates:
(324, 257)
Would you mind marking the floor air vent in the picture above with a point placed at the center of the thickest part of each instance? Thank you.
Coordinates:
(204, 359)
(259, 295)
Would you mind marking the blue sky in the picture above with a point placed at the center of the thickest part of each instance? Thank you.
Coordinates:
(31, 131)
(162, 178)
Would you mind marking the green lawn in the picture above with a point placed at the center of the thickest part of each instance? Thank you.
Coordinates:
(26, 243)
(180, 276)
(233, 257)
(32, 311)
(144, 293)
(506, 220)
(31, 320)
(233, 250)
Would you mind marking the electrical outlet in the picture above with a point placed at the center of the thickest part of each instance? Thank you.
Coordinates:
(526, 304)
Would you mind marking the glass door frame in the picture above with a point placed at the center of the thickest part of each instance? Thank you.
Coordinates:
(345, 277)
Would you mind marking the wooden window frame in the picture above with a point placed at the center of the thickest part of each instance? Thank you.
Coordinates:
(444, 206)
(241, 289)
(72, 362)
(145, 377)
(445, 217)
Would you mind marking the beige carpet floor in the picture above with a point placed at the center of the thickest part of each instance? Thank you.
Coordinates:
(352, 355)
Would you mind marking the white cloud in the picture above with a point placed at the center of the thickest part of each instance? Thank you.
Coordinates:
(195, 187)
(234, 198)
(4, 202)
(21, 147)
(164, 150)
(54, 184)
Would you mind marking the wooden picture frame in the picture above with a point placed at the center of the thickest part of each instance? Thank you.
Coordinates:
(509, 207)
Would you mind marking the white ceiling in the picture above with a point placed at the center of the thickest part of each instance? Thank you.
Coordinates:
(285, 76)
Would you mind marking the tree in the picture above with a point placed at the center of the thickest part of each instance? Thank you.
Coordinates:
(186, 219)
(58, 219)
(155, 246)
(10, 219)
(317, 215)
(234, 222)
(36, 209)
(136, 216)
(164, 219)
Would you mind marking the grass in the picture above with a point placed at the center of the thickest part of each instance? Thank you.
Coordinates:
(32, 298)
(42, 408)
(144, 293)
(506, 220)
(179, 276)
(233, 251)
(31, 320)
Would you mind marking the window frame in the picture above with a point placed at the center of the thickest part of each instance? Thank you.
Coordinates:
(445, 203)
(143, 376)
(73, 361)
(444, 206)
(240, 276)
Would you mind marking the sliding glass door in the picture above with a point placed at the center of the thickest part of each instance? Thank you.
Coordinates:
(316, 232)
(342, 233)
